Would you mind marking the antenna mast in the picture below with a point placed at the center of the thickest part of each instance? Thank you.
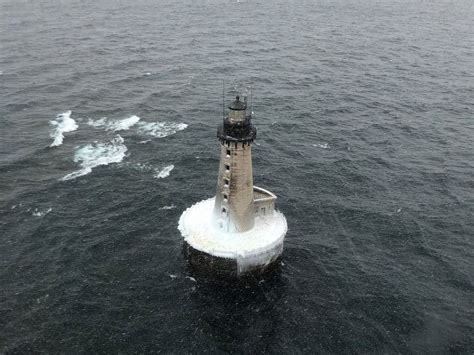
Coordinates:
(223, 101)
(251, 101)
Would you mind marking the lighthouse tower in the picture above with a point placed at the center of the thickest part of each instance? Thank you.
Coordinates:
(234, 204)
(238, 231)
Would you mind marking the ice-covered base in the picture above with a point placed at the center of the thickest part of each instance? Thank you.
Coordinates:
(251, 250)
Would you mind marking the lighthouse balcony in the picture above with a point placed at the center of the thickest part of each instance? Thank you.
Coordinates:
(263, 201)
(240, 132)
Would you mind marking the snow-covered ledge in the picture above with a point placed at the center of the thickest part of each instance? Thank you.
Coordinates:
(252, 250)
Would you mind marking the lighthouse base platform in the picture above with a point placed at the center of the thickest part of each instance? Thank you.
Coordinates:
(255, 251)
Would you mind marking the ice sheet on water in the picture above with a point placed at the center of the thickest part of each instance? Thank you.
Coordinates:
(96, 154)
(61, 124)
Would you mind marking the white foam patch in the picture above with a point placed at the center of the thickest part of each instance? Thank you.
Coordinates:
(93, 155)
(139, 166)
(165, 172)
(158, 173)
(61, 124)
(38, 213)
(170, 207)
(123, 125)
(258, 246)
(160, 129)
(145, 141)
(323, 145)
(114, 125)
(101, 122)
(149, 129)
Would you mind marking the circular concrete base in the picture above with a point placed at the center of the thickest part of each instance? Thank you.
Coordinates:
(208, 248)
(204, 264)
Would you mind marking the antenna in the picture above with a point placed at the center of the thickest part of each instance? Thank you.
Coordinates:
(251, 100)
(223, 101)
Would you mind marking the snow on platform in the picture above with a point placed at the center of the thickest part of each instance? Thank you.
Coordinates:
(258, 246)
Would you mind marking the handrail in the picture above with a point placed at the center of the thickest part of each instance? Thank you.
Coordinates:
(270, 195)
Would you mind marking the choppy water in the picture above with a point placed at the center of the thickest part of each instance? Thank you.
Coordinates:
(365, 126)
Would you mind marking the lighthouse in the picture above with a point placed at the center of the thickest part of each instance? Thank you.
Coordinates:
(234, 203)
(238, 231)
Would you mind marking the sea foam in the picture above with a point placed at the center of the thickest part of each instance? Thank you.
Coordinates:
(96, 154)
(61, 124)
(321, 145)
(39, 213)
(165, 172)
(160, 129)
(158, 173)
(168, 207)
(114, 125)
(149, 129)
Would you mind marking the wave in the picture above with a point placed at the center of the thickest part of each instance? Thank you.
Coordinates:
(160, 129)
(114, 125)
(168, 207)
(61, 124)
(323, 146)
(158, 173)
(38, 213)
(93, 155)
(150, 129)
(101, 122)
(165, 172)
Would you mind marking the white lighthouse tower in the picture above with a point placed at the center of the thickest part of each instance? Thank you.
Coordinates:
(238, 231)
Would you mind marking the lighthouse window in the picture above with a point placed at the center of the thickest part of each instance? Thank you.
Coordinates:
(228, 152)
(225, 197)
(227, 167)
(224, 210)
(226, 182)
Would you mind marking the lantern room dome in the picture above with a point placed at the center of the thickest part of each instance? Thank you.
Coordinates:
(238, 105)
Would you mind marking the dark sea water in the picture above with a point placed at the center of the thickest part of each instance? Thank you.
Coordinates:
(364, 111)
